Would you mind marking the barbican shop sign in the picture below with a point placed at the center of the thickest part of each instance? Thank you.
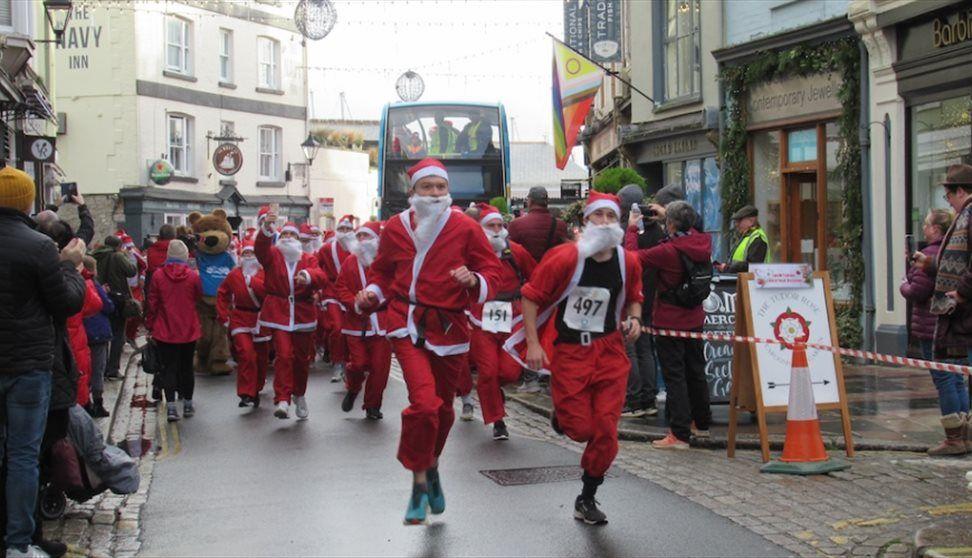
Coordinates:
(930, 35)
(161, 172)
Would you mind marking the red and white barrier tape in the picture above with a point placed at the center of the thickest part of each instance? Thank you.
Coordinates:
(890, 359)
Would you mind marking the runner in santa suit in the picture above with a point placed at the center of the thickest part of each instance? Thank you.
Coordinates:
(493, 321)
(432, 263)
(290, 279)
(330, 258)
(316, 241)
(238, 303)
(369, 352)
(589, 293)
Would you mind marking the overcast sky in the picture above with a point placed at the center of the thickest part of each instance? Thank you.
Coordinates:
(491, 51)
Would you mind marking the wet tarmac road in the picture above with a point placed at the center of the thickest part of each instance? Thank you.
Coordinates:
(246, 484)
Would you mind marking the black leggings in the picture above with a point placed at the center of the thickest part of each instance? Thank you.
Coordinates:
(177, 372)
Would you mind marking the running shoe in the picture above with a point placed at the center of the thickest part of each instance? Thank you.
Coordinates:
(172, 413)
(337, 373)
(585, 509)
(418, 507)
(187, 408)
(282, 411)
(374, 414)
(632, 412)
(499, 431)
(436, 495)
(300, 402)
(670, 442)
(348, 403)
(467, 412)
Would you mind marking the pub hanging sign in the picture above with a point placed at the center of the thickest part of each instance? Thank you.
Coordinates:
(228, 159)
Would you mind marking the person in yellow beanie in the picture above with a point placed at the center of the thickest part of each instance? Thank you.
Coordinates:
(16, 189)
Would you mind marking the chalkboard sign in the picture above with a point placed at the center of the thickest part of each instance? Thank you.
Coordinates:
(720, 317)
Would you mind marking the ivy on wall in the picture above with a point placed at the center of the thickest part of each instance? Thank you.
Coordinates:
(841, 56)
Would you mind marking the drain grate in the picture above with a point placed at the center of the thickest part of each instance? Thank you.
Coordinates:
(533, 475)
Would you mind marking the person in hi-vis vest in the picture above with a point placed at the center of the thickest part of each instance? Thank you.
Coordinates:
(753, 245)
(442, 136)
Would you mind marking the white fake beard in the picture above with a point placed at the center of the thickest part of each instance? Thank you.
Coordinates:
(427, 210)
(316, 245)
(290, 248)
(498, 240)
(597, 238)
(366, 251)
(348, 240)
(250, 265)
(307, 247)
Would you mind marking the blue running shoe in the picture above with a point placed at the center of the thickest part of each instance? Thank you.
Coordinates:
(418, 506)
(436, 496)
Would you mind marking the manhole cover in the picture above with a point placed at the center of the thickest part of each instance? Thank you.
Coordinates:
(534, 475)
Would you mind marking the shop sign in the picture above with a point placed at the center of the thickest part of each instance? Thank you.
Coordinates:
(161, 172)
(605, 30)
(39, 149)
(678, 147)
(576, 31)
(929, 35)
(227, 159)
(802, 96)
(604, 142)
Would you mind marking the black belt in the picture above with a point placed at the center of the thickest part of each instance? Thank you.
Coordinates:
(509, 296)
(420, 320)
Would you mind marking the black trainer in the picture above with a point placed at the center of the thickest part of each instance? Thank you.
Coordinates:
(244, 401)
(554, 424)
(348, 402)
(585, 509)
(54, 549)
(255, 401)
(499, 431)
(374, 414)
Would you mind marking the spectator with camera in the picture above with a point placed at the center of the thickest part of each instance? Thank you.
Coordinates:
(114, 270)
(684, 271)
(39, 290)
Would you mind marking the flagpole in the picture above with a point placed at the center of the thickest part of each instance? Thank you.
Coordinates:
(612, 73)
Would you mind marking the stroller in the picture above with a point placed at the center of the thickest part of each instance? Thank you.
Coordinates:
(81, 466)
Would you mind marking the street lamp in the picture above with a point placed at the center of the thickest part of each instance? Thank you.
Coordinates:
(58, 14)
(310, 147)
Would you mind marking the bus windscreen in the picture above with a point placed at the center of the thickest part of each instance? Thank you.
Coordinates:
(443, 132)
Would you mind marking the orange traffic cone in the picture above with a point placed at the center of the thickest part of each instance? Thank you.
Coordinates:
(803, 449)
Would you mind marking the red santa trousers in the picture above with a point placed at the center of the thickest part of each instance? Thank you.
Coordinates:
(252, 360)
(336, 341)
(588, 385)
(371, 357)
(464, 383)
(291, 364)
(431, 382)
(494, 368)
(323, 327)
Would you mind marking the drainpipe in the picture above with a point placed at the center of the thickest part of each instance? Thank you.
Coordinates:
(866, 191)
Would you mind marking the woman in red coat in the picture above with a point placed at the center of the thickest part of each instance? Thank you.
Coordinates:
(174, 325)
(78, 337)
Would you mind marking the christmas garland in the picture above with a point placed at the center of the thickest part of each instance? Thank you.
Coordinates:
(842, 56)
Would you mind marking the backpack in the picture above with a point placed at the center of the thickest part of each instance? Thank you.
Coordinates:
(695, 286)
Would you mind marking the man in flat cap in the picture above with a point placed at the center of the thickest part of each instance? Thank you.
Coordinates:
(753, 246)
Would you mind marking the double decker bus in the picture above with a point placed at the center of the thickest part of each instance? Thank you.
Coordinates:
(469, 138)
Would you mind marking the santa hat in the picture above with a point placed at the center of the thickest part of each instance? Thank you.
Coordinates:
(247, 245)
(291, 228)
(346, 221)
(488, 214)
(371, 227)
(315, 230)
(305, 232)
(262, 214)
(427, 167)
(127, 241)
(597, 200)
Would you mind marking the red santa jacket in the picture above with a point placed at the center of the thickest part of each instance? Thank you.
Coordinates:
(238, 301)
(516, 269)
(351, 280)
(413, 277)
(554, 279)
(287, 306)
(78, 336)
(330, 258)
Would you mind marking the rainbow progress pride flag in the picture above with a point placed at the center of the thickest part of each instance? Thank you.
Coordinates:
(575, 82)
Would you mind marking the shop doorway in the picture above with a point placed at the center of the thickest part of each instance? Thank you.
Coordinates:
(802, 218)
